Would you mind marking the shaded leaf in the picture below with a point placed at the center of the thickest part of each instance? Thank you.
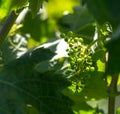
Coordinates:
(79, 102)
(29, 60)
(108, 10)
(37, 28)
(23, 87)
(43, 66)
(113, 64)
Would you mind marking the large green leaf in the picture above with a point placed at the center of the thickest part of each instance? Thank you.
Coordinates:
(104, 10)
(80, 22)
(23, 89)
(113, 64)
(79, 102)
(95, 88)
(113, 45)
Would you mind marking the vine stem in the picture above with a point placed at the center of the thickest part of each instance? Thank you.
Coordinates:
(112, 94)
(7, 25)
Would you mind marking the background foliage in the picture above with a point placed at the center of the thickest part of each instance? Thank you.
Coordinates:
(77, 72)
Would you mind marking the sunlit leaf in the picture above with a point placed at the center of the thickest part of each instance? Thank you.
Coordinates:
(95, 89)
(56, 8)
(4, 8)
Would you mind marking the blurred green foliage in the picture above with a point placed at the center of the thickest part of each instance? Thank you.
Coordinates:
(35, 71)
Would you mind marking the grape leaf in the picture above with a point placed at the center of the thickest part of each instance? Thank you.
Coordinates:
(79, 102)
(113, 64)
(80, 22)
(95, 83)
(104, 10)
(113, 45)
(23, 89)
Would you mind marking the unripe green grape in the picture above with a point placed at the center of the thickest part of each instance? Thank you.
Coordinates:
(82, 54)
(76, 39)
(69, 54)
(80, 39)
(70, 45)
(66, 39)
(79, 60)
(69, 66)
(67, 50)
(87, 69)
(92, 69)
(62, 35)
(89, 57)
(70, 34)
(76, 50)
(71, 41)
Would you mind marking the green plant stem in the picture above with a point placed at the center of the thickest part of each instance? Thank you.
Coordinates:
(7, 26)
(112, 94)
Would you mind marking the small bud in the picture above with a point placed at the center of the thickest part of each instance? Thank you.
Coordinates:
(70, 34)
(92, 69)
(62, 35)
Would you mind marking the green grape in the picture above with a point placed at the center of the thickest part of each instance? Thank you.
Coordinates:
(67, 50)
(80, 39)
(89, 57)
(70, 45)
(18, 4)
(62, 35)
(82, 54)
(79, 60)
(76, 39)
(70, 34)
(92, 69)
(66, 39)
(87, 69)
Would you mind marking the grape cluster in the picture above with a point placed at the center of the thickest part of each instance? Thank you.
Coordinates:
(79, 59)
